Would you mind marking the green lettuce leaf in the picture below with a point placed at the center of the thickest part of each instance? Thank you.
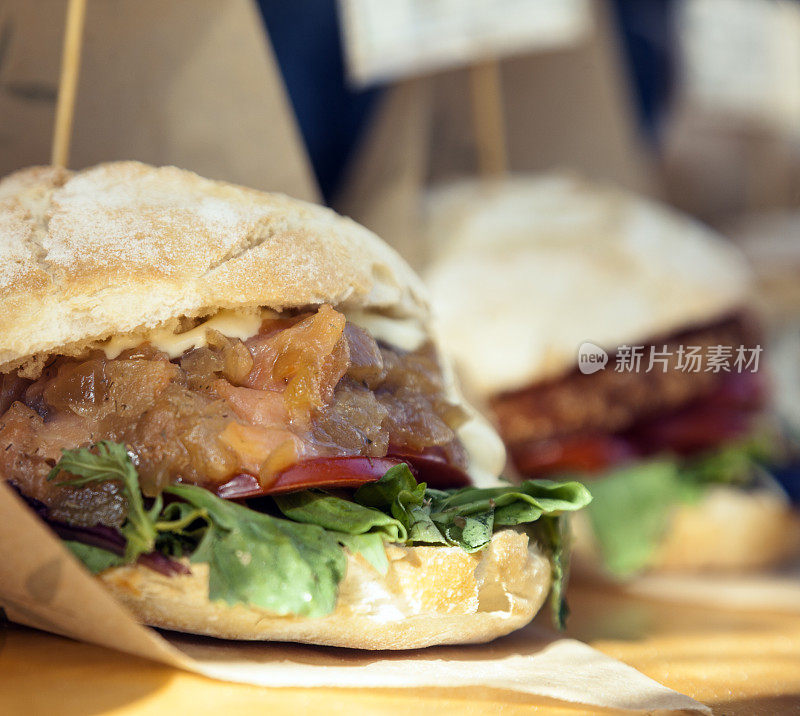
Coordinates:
(554, 533)
(111, 462)
(398, 493)
(320, 508)
(631, 508)
(465, 511)
(369, 545)
(361, 529)
(630, 511)
(735, 463)
(294, 564)
(253, 558)
(96, 559)
(279, 565)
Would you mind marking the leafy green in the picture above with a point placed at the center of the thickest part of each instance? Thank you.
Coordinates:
(96, 559)
(398, 493)
(294, 564)
(553, 532)
(111, 462)
(320, 508)
(734, 463)
(282, 566)
(629, 513)
(631, 508)
(468, 516)
(361, 529)
(369, 545)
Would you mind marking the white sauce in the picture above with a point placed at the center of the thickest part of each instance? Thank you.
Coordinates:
(485, 449)
(233, 324)
(404, 333)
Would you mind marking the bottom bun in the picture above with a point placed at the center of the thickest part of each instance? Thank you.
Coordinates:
(430, 595)
(729, 530)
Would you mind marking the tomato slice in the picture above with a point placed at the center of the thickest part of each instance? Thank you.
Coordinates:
(323, 472)
(336, 472)
(583, 453)
(434, 470)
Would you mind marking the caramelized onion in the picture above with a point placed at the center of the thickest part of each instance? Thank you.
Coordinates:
(366, 360)
(237, 362)
(307, 387)
(355, 423)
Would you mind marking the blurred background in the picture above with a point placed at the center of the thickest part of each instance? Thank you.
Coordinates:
(365, 103)
(695, 102)
(709, 93)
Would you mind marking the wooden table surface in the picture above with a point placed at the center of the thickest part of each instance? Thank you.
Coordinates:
(737, 662)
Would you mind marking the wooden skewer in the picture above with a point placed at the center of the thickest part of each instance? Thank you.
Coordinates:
(488, 118)
(68, 84)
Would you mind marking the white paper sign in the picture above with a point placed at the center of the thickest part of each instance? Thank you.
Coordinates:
(387, 39)
(742, 57)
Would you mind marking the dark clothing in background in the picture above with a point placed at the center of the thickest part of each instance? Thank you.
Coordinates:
(306, 40)
(307, 43)
(648, 43)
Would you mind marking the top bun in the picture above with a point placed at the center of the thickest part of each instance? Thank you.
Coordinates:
(527, 269)
(125, 247)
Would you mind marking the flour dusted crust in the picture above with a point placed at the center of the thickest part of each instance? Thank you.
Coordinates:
(430, 595)
(529, 268)
(125, 247)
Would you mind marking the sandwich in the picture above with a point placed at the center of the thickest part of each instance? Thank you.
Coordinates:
(231, 407)
(612, 338)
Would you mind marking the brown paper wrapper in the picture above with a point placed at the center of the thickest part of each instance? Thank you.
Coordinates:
(43, 586)
(192, 83)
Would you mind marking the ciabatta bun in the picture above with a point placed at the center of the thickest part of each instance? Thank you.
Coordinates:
(123, 247)
(430, 595)
(128, 251)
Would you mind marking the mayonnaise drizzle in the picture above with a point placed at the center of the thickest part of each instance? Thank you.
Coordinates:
(233, 324)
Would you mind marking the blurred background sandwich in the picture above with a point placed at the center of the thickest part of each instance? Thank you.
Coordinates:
(611, 337)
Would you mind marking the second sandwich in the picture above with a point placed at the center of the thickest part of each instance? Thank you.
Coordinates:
(612, 338)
